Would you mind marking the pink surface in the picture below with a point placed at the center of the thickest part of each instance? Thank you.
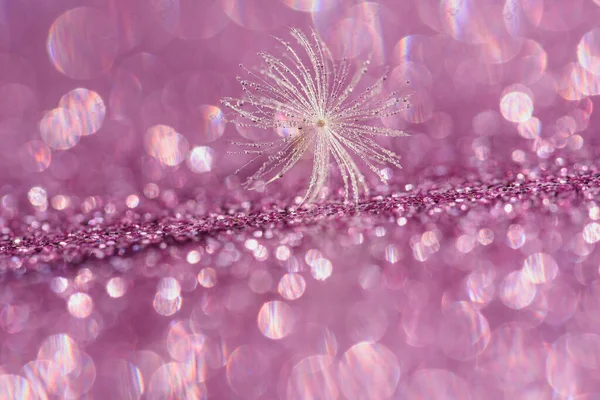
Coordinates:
(134, 264)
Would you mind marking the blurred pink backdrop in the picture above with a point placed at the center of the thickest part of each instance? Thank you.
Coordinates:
(134, 266)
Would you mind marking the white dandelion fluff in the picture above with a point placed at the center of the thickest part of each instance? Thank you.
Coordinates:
(312, 96)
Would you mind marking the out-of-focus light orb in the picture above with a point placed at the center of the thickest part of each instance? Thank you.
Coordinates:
(311, 5)
(313, 377)
(151, 190)
(588, 51)
(516, 106)
(465, 243)
(520, 15)
(248, 372)
(540, 268)
(467, 21)
(530, 129)
(594, 212)
(166, 306)
(193, 257)
(88, 106)
(17, 387)
(61, 202)
(485, 236)
(369, 370)
(515, 236)
(37, 196)
(132, 201)
(575, 142)
(62, 350)
(517, 291)
(291, 286)
(435, 384)
(213, 123)
(82, 43)
(321, 269)
(85, 277)
(60, 128)
(14, 318)
(576, 82)
(59, 284)
(166, 145)
(128, 378)
(169, 288)
(35, 156)
(207, 277)
(276, 319)
(410, 48)
(200, 159)
(116, 287)
(283, 253)
(80, 305)
(518, 156)
(591, 232)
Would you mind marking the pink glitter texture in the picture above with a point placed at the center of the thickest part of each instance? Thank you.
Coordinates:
(134, 265)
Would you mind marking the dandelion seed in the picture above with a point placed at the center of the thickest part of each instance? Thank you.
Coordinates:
(311, 97)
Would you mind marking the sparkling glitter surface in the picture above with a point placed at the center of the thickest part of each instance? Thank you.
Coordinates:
(134, 264)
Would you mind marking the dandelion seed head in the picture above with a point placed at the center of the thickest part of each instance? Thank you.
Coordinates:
(314, 104)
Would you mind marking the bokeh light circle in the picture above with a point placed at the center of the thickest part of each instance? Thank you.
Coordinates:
(369, 370)
(80, 305)
(516, 106)
(82, 43)
(313, 378)
(588, 51)
(276, 319)
(35, 156)
(213, 122)
(311, 6)
(60, 128)
(436, 384)
(201, 159)
(291, 286)
(88, 106)
(248, 372)
(467, 20)
(540, 268)
(166, 145)
(17, 387)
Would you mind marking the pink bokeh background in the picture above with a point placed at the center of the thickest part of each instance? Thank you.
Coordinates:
(133, 265)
